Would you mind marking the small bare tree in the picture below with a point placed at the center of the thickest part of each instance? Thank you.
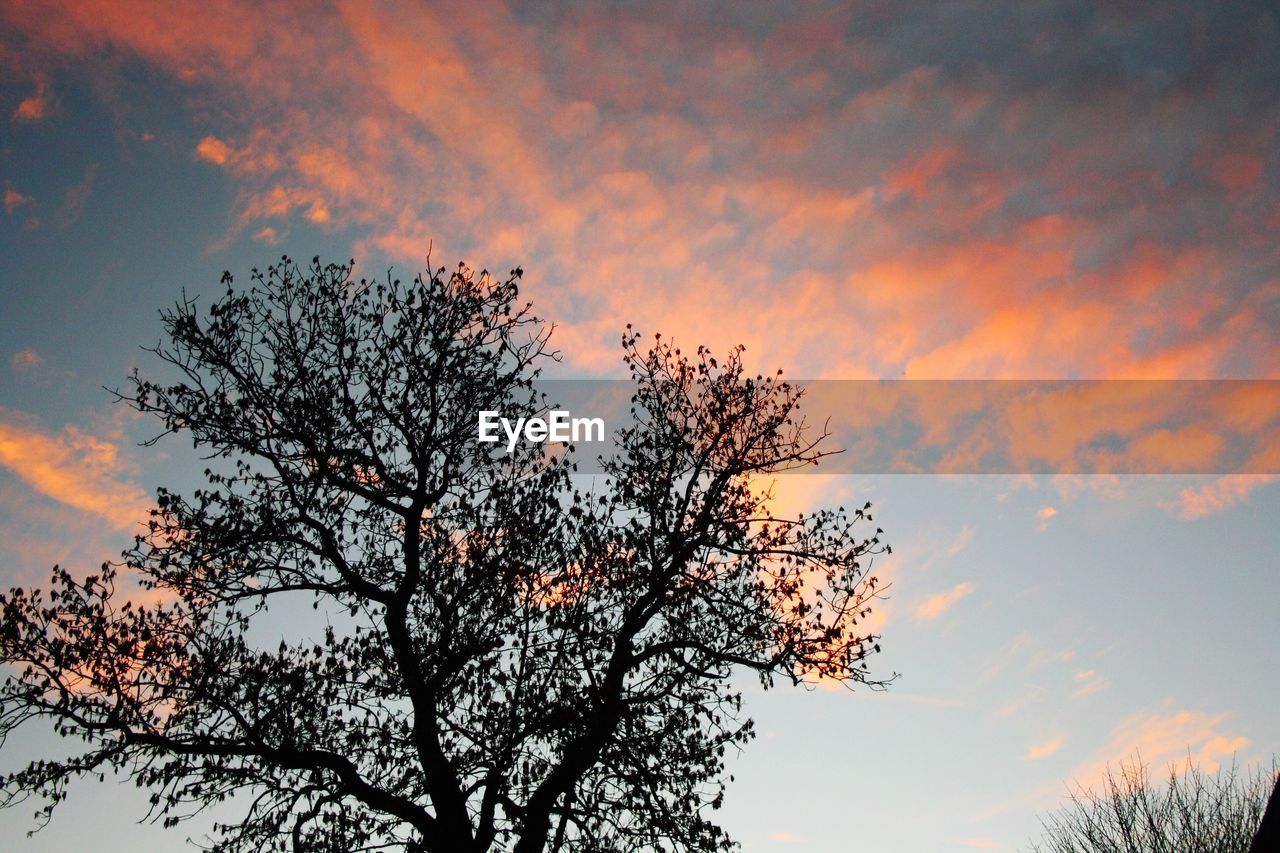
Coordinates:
(1193, 812)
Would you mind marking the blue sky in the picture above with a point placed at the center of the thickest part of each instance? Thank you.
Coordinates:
(1031, 191)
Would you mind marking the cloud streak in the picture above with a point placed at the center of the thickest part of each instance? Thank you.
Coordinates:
(1046, 748)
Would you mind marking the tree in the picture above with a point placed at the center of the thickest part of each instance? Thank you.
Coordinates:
(1268, 834)
(503, 655)
(1193, 812)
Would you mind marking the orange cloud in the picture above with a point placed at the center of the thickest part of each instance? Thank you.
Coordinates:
(936, 605)
(268, 235)
(73, 468)
(35, 107)
(214, 150)
(1160, 739)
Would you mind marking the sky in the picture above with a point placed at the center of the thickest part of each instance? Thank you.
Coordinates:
(998, 190)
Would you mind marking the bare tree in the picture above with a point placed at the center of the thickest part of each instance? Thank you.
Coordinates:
(504, 656)
(1193, 812)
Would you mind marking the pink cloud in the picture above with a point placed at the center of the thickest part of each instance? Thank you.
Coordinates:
(14, 200)
(26, 360)
(1089, 682)
(1238, 170)
(913, 177)
(1218, 496)
(786, 837)
(1045, 748)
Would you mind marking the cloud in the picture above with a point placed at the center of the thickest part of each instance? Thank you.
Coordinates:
(35, 107)
(1238, 170)
(1106, 426)
(962, 540)
(1160, 738)
(1045, 513)
(268, 235)
(786, 837)
(1088, 682)
(25, 361)
(936, 605)
(1218, 496)
(31, 366)
(1047, 748)
(1071, 486)
(982, 843)
(213, 150)
(73, 468)
(36, 534)
(14, 200)
(75, 198)
(913, 209)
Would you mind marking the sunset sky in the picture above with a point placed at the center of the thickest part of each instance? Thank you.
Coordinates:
(852, 190)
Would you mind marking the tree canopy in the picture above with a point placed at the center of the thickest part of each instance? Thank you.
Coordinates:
(502, 654)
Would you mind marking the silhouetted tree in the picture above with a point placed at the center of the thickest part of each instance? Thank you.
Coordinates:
(505, 656)
(1193, 812)
(1268, 835)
